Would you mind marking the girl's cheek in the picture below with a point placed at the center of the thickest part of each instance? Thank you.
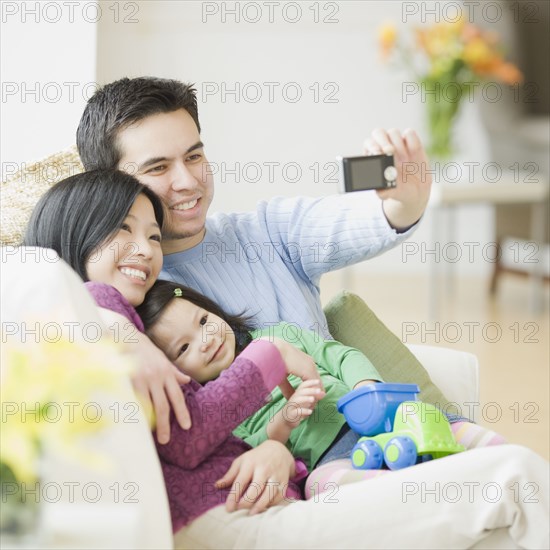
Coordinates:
(181, 368)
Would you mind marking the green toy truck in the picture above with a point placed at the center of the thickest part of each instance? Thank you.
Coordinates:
(396, 432)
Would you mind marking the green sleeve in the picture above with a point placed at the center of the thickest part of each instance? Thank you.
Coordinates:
(345, 363)
(340, 367)
(253, 439)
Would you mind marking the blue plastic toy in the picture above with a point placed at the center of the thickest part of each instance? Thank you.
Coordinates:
(398, 430)
(370, 410)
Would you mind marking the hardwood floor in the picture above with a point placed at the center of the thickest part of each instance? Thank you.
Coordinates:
(511, 343)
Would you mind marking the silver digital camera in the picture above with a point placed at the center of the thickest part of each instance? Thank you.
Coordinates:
(367, 172)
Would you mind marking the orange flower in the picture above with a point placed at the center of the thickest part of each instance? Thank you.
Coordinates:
(457, 50)
(456, 53)
(479, 56)
(469, 32)
(387, 36)
(508, 73)
(455, 27)
(440, 40)
(491, 37)
(421, 39)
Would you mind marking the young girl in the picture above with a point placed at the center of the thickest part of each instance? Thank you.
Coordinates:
(202, 340)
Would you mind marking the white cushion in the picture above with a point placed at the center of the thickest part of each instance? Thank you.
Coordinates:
(456, 373)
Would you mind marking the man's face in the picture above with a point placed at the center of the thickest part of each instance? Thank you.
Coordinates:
(164, 151)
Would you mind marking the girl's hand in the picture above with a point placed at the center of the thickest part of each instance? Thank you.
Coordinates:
(258, 478)
(299, 407)
(302, 403)
(297, 362)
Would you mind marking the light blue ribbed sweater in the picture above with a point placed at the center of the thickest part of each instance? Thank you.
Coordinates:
(268, 263)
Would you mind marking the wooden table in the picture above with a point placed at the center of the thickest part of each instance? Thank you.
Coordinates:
(511, 188)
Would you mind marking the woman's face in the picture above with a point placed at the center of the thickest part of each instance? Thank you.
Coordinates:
(131, 260)
(200, 343)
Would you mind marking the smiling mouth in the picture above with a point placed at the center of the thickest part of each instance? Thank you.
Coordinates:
(185, 205)
(134, 273)
(217, 352)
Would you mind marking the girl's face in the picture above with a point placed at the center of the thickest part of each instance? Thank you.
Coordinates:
(200, 343)
(132, 259)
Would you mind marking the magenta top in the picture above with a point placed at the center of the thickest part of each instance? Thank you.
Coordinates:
(194, 459)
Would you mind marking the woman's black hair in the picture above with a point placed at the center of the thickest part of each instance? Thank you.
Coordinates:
(163, 292)
(78, 214)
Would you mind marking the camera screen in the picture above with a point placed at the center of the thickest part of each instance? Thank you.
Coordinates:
(367, 173)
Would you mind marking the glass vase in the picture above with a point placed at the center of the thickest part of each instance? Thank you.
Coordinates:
(19, 507)
(442, 110)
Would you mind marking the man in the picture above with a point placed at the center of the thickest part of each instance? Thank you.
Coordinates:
(267, 263)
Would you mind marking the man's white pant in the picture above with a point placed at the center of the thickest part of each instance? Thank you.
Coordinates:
(495, 496)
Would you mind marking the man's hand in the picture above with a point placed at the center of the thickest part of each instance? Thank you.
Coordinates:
(258, 478)
(404, 205)
(299, 407)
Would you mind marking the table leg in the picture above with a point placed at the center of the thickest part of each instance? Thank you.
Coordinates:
(538, 213)
(433, 275)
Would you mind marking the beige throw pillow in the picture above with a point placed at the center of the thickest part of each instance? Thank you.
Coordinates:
(20, 191)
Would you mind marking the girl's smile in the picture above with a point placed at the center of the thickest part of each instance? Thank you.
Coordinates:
(200, 343)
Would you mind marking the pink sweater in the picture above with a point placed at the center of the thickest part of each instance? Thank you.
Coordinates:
(194, 459)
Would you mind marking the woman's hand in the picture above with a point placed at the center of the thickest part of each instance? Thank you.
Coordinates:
(404, 205)
(258, 478)
(157, 379)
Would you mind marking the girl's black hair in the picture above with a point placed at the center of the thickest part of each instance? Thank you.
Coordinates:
(78, 214)
(162, 293)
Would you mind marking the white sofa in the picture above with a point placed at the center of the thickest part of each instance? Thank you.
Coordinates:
(132, 511)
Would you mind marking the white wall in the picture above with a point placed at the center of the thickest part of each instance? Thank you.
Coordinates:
(203, 42)
(337, 55)
(48, 60)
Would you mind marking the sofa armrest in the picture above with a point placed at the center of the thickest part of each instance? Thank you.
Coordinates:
(124, 503)
(455, 372)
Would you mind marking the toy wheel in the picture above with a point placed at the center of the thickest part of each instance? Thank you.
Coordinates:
(367, 455)
(400, 452)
